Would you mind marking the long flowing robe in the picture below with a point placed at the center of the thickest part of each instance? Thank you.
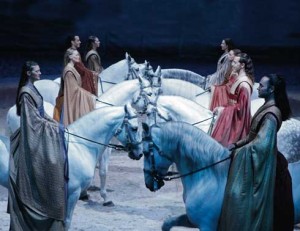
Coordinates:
(93, 62)
(220, 94)
(249, 194)
(233, 123)
(76, 100)
(218, 77)
(37, 168)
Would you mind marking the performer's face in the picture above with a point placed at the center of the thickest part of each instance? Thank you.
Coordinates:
(264, 88)
(231, 55)
(75, 57)
(97, 42)
(223, 45)
(236, 65)
(35, 73)
(76, 42)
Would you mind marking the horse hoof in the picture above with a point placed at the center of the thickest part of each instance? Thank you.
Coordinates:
(109, 204)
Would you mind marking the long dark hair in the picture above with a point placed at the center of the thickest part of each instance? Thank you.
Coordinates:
(68, 41)
(27, 66)
(281, 98)
(90, 42)
(249, 68)
(229, 43)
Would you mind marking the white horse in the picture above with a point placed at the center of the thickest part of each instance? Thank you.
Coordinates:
(4, 158)
(86, 140)
(125, 69)
(203, 191)
(48, 89)
(172, 108)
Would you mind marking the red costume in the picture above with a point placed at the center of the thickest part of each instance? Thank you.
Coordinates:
(220, 93)
(233, 123)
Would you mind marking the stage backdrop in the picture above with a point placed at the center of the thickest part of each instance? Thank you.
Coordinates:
(178, 28)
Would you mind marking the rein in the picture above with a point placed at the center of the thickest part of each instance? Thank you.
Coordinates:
(203, 120)
(114, 146)
(104, 102)
(170, 175)
(208, 89)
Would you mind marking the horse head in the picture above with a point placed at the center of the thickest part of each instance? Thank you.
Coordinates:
(157, 81)
(133, 68)
(155, 165)
(131, 132)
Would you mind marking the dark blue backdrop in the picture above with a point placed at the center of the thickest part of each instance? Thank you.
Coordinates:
(168, 29)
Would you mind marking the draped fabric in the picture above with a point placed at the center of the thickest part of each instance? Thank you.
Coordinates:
(93, 61)
(88, 79)
(283, 197)
(77, 101)
(218, 77)
(220, 94)
(258, 194)
(249, 194)
(38, 168)
(233, 123)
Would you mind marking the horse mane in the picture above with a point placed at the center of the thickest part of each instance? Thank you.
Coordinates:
(185, 75)
(114, 66)
(180, 88)
(194, 145)
(120, 91)
(99, 114)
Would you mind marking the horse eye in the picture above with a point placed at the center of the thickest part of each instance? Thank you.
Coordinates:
(134, 129)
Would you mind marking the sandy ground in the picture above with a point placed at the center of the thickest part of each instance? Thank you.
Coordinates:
(136, 208)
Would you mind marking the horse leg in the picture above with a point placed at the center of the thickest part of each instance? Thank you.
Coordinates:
(103, 168)
(181, 220)
(72, 200)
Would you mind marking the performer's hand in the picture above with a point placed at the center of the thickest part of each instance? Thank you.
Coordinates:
(231, 147)
(218, 110)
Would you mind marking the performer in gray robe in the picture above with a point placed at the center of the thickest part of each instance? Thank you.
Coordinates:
(38, 163)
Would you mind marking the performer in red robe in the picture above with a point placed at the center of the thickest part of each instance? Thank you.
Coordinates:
(233, 121)
(219, 93)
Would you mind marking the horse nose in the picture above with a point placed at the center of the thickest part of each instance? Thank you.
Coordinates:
(140, 156)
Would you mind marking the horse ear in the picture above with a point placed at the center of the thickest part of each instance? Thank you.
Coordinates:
(128, 57)
(129, 109)
(140, 79)
(158, 71)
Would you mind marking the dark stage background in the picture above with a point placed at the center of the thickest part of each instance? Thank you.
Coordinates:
(171, 33)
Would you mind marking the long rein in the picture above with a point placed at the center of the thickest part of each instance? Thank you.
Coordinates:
(113, 146)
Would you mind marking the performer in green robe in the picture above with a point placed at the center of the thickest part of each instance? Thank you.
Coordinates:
(38, 163)
(249, 195)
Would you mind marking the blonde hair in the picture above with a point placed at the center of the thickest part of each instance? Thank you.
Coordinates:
(69, 52)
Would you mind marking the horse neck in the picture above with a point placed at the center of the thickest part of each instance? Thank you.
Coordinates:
(180, 88)
(116, 72)
(99, 125)
(183, 109)
(121, 93)
(207, 156)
